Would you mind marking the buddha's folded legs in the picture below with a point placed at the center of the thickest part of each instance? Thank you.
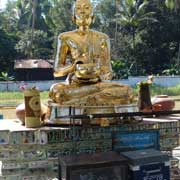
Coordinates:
(103, 93)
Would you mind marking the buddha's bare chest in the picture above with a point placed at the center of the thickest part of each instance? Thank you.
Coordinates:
(86, 47)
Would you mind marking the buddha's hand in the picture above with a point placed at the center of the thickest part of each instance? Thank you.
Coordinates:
(64, 70)
(70, 78)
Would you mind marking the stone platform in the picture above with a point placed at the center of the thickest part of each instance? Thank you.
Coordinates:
(32, 153)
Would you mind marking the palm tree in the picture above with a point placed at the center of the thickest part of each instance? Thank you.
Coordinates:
(23, 14)
(32, 15)
(132, 13)
(26, 10)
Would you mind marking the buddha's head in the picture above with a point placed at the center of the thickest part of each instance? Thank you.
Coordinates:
(83, 13)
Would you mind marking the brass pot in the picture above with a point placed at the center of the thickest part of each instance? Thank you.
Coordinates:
(87, 71)
(163, 103)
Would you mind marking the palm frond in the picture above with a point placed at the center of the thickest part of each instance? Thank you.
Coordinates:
(148, 14)
(140, 9)
(130, 3)
(148, 19)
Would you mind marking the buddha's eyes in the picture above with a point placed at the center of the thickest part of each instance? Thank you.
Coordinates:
(86, 7)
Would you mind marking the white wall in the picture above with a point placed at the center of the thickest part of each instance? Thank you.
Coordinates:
(165, 81)
(16, 86)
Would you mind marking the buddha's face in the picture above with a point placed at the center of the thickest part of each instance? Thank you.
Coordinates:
(83, 12)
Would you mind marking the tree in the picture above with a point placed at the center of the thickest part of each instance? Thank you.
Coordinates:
(132, 17)
(132, 13)
(174, 5)
(105, 12)
(7, 51)
(135, 34)
(39, 49)
(106, 22)
(10, 19)
(32, 15)
(159, 41)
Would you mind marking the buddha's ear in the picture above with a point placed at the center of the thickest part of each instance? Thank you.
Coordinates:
(93, 18)
(73, 18)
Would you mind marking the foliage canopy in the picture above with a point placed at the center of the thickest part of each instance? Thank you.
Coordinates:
(145, 34)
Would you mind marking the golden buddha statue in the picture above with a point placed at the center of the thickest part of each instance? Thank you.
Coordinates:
(84, 56)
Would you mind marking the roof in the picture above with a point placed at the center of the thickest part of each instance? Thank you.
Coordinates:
(32, 63)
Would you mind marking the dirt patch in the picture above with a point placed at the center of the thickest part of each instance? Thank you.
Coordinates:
(8, 112)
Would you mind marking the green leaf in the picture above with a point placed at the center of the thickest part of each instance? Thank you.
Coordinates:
(141, 7)
(130, 2)
(170, 4)
(4, 74)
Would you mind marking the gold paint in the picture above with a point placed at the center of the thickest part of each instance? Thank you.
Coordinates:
(89, 53)
(32, 122)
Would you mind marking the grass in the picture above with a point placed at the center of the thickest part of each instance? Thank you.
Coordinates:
(171, 91)
(14, 98)
(156, 89)
(8, 99)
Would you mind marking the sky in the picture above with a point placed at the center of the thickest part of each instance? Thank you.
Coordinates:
(3, 4)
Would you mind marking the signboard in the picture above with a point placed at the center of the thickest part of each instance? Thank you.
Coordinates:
(135, 140)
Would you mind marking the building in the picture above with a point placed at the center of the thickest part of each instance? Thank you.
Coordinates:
(33, 69)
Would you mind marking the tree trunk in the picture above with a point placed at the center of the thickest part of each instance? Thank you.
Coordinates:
(133, 46)
(116, 6)
(34, 6)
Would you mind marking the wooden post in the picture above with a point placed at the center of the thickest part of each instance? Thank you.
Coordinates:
(144, 99)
